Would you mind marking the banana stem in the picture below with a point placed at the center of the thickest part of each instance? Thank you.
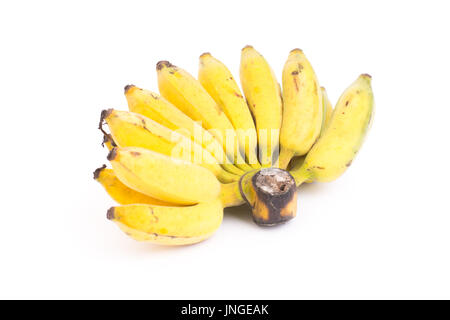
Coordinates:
(300, 175)
(284, 158)
(272, 195)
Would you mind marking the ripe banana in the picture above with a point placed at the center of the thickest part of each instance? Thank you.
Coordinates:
(168, 225)
(163, 177)
(334, 151)
(187, 94)
(155, 107)
(130, 129)
(303, 109)
(230, 195)
(263, 95)
(219, 83)
(120, 192)
(145, 218)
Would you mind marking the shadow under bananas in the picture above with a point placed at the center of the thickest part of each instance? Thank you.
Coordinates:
(310, 188)
(242, 213)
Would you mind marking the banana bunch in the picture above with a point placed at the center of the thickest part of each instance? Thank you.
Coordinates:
(178, 158)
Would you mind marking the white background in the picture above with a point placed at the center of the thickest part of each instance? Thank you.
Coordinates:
(381, 231)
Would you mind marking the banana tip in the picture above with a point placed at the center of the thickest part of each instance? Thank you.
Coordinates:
(296, 50)
(205, 54)
(163, 64)
(98, 170)
(128, 87)
(247, 47)
(110, 214)
(366, 75)
(108, 138)
(103, 115)
(112, 154)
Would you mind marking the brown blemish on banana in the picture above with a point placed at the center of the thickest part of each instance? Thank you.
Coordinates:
(112, 154)
(346, 102)
(294, 73)
(218, 108)
(98, 171)
(135, 153)
(296, 84)
(237, 94)
(163, 64)
(110, 214)
(147, 129)
(349, 163)
(163, 236)
(128, 87)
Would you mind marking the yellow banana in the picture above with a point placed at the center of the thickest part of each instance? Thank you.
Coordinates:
(187, 94)
(168, 225)
(333, 153)
(297, 161)
(130, 129)
(229, 193)
(303, 109)
(327, 109)
(219, 83)
(120, 192)
(264, 100)
(155, 107)
(163, 177)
